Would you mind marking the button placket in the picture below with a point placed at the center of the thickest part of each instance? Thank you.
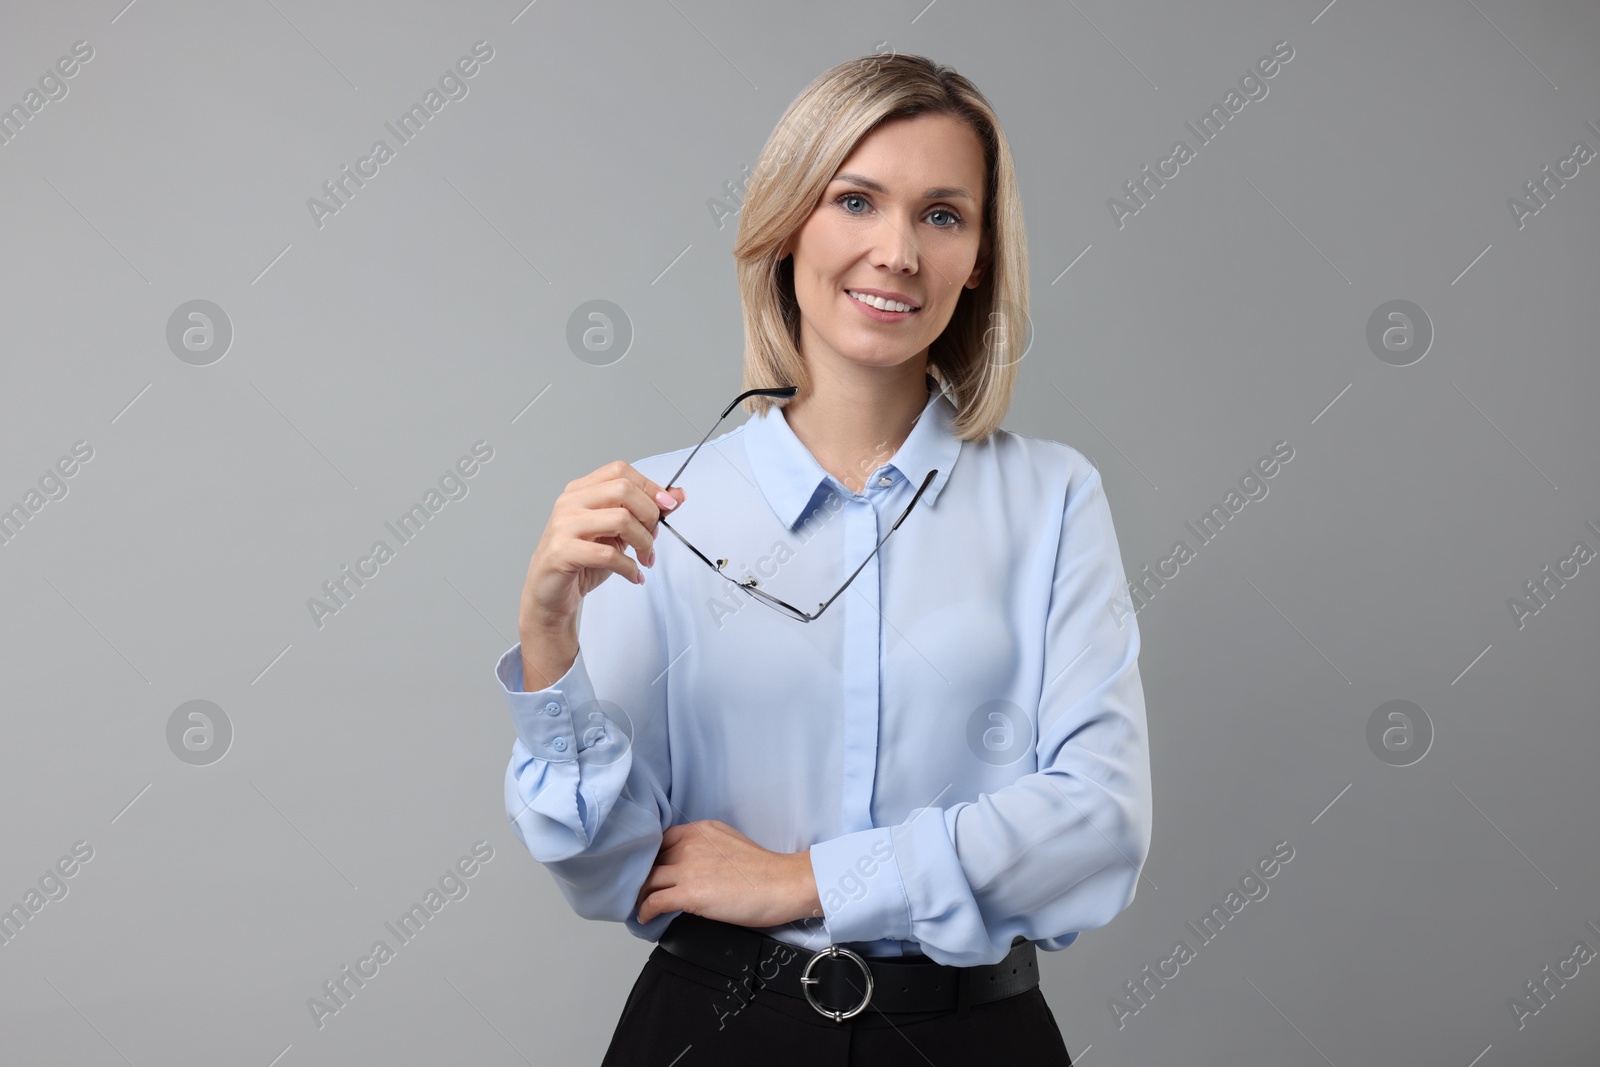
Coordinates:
(861, 669)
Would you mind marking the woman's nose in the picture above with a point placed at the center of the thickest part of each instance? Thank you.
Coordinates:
(896, 249)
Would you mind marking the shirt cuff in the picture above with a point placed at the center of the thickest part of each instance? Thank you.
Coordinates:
(543, 717)
(859, 884)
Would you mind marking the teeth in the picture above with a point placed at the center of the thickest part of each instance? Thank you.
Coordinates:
(879, 302)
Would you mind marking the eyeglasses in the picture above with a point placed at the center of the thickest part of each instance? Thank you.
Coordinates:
(749, 585)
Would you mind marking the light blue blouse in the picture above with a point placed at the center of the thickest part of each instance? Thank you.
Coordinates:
(960, 739)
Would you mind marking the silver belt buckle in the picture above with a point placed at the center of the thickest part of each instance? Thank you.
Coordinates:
(806, 982)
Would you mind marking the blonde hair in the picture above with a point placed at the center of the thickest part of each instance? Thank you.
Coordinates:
(971, 358)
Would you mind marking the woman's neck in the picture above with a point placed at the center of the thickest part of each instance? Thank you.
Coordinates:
(854, 419)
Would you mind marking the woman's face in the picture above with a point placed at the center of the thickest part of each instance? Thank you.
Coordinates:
(903, 215)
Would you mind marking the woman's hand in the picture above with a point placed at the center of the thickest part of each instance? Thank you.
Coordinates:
(594, 519)
(712, 870)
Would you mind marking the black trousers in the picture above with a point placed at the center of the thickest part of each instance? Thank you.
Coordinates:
(682, 1015)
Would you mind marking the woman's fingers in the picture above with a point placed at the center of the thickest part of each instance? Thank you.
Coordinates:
(606, 555)
(594, 520)
(658, 881)
(617, 470)
(617, 522)
(626, 493)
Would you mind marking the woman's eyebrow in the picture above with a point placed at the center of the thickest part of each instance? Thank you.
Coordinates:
(937, 193)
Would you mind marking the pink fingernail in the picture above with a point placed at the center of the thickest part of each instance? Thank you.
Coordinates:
(666, 500)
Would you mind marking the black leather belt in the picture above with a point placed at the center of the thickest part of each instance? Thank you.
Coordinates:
(840, 983)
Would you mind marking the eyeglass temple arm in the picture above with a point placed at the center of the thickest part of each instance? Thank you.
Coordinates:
(783, 393)
(926, 481)
(747, 588)
(690, 547)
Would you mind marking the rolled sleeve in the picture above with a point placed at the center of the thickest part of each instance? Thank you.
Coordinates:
(860, 887)
(543, 717)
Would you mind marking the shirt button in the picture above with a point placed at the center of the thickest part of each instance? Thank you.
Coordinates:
(559, 744)
(552, 708)
(886, 480)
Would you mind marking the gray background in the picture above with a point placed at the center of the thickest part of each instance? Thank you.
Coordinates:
(370, 353)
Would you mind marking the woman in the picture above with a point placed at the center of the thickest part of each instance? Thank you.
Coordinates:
(940, 767)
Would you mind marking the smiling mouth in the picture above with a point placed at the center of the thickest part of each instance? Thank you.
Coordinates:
(878, 303)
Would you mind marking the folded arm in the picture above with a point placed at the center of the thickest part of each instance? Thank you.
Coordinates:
(1058, 850)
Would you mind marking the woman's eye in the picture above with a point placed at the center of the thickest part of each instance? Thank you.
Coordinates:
(955, 220)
